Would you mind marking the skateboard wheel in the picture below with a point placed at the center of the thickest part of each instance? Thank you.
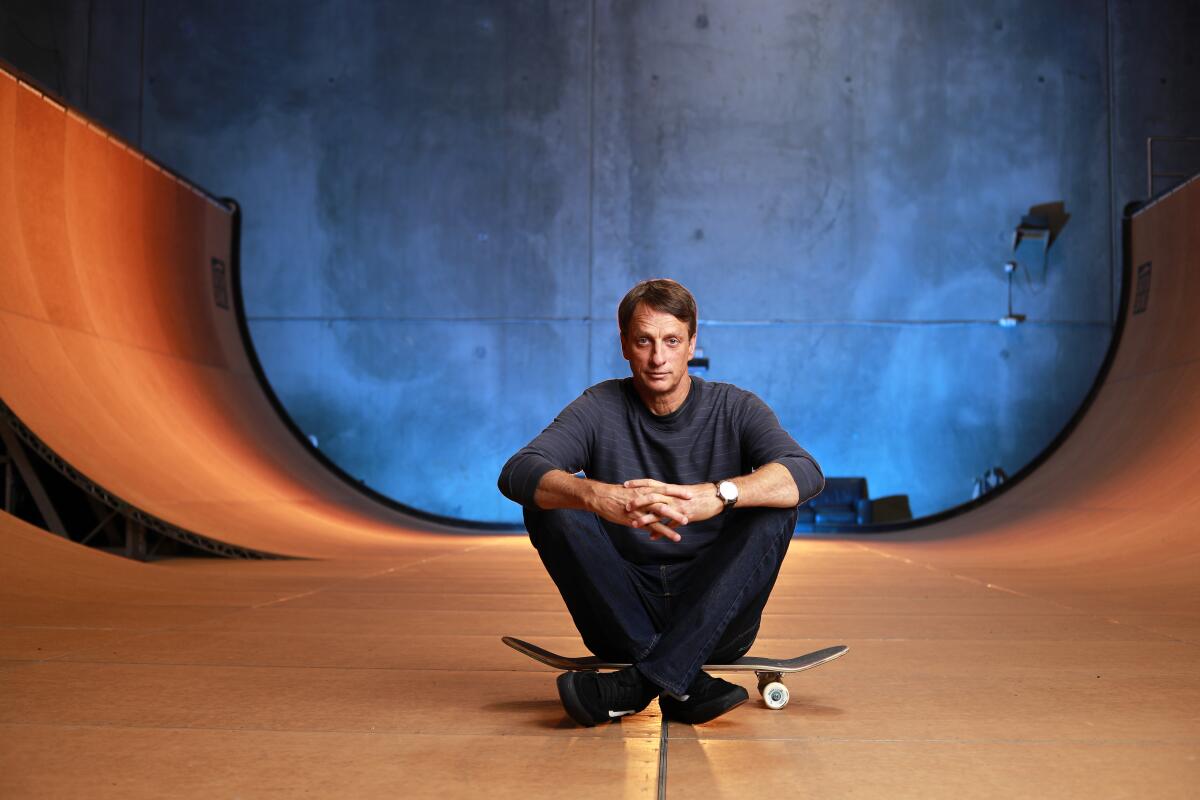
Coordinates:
(775, 695)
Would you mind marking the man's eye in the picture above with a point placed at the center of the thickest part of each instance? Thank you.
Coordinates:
(643, 340)
(672, 341)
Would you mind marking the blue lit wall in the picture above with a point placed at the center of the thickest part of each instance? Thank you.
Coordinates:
(445, 201)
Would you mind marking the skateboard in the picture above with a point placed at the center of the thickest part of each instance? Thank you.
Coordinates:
(770, 671)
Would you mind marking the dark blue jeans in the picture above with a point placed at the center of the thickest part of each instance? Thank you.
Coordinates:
(667, 619)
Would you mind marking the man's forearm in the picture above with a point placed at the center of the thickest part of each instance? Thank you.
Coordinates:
(560, 489)
(770, 486)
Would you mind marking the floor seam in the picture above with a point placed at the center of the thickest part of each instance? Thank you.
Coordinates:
(919, 740)
(231, 612)
(388, 571)
(663, 739)
(997, 587)
(556, 734)
(347, 668)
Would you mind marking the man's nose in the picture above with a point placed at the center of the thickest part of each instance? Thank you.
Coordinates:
(658, 353)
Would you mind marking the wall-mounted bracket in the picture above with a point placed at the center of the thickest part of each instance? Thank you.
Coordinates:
(1033, 227)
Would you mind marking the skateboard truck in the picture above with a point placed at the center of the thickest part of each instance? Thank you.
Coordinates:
(774, 693)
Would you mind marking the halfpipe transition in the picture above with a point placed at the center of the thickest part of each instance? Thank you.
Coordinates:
(120, 347)
(1110, 522)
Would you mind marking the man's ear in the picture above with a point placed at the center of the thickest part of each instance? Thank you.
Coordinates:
(624, 348)
(692, 347)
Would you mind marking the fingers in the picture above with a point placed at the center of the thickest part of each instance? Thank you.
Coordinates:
(664, 514)
(646, 520)
(652, 499)
(669, 514)
(660, 531)
(646, 501)
(672, 489)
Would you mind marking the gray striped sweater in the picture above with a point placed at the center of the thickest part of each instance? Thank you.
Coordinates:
(719, 432)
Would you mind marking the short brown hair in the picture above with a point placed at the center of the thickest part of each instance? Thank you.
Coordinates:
(661, 294)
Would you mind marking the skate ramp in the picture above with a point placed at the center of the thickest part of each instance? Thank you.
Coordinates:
(121, 347)
(1111, 521)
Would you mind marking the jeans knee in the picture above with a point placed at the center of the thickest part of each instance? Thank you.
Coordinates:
(735, 645)
(546, 526)
(610, 651)
(770, 522)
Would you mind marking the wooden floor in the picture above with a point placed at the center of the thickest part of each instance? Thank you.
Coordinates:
(386, 678)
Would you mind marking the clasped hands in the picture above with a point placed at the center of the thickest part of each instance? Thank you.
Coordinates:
(658, 507)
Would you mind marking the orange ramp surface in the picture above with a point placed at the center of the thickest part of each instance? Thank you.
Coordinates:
(1044, 644)
(120, 346)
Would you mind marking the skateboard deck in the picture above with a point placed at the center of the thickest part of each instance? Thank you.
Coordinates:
(770, 671)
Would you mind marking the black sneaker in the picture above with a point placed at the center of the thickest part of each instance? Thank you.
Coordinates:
(592, 697)
(707, 699)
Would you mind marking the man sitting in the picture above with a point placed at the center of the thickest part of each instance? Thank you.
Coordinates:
(666, 552)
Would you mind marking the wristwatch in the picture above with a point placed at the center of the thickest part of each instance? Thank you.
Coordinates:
(727, 492)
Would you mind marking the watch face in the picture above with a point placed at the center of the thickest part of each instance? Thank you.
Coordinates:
(728, 491)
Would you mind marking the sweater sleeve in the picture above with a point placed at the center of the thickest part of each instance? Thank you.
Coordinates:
(565, 444)
(764, 441)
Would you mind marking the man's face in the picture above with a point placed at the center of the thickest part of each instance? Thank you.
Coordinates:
(658, 348)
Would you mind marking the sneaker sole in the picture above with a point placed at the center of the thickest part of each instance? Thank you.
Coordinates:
(706, 712)
(571, 702)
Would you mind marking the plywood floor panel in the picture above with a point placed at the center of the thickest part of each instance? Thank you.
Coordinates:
(188, 763)
(286, 698)
(384, 621)
(948, 669)
(398, 650)
(936, 767)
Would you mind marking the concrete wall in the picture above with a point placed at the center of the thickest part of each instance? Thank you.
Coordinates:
(444, 203)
